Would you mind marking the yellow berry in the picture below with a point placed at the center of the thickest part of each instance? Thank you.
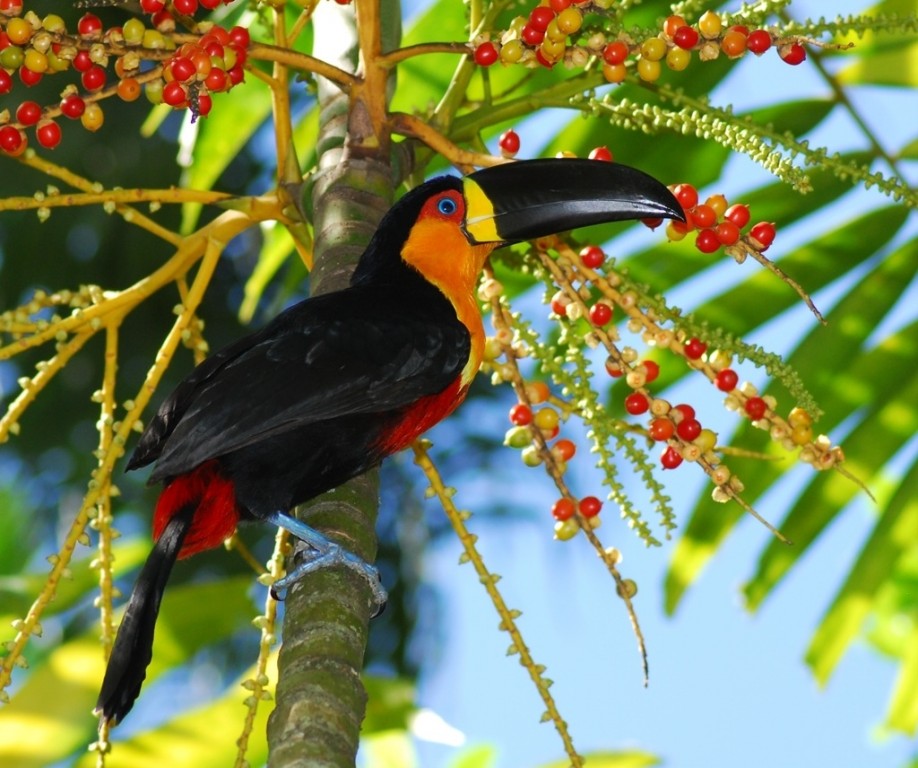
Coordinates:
(649, 70)
(553, 32)
(799, 417)
(801, 434)
(566, 529)
(93, 117)
(546, 418)
(19, 31)
(133, 31)
(569, 20)
(614, 73)
(677, 59)
(706, 440)
(653, 49)
(35, 61)
(718, 203)
(53, 23)
(553, 49)
(710, 24)
(511, 51)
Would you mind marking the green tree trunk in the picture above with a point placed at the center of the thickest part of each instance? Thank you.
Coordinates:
(321, 700)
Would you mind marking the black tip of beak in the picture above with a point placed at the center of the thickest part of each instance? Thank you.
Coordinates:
(534, 198)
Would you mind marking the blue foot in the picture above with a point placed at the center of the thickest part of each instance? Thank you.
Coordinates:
(323, 553)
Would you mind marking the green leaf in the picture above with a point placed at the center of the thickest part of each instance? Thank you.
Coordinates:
(220, 138)
(903, 710)
(389, 749)
(204, 737)
(49, 717)
(624, 759)
(18, 592)
(896, 66)
(478, 756)
(894, 534)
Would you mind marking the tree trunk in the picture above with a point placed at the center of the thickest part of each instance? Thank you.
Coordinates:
(321, 700)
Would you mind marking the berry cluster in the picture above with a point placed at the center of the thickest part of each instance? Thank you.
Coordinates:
(555, 31)
(142, 58)
(717, 223)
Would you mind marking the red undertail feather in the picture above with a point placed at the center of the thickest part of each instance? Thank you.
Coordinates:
(216, 515)
(423, 415)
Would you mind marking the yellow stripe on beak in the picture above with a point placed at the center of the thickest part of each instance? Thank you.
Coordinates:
(480, 225)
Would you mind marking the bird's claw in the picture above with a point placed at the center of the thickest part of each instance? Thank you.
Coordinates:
(323, 553)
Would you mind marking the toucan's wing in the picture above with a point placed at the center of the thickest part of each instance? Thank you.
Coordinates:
(319, 360)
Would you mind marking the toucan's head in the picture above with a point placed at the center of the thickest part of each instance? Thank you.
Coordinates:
(446, 227)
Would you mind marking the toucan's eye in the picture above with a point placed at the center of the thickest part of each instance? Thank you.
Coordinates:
(447, 206)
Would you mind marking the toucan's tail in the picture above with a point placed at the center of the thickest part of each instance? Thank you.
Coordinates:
(133, 649)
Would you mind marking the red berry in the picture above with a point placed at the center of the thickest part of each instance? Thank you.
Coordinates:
(707, 241)
(215, 80)
(601, 153)
(685, 410)
(758, 42)
(687, 195)
(653, 370)
(48, 134)
(152, 6)
(174, 94)
(703, 216)
(755, 408)
(89, 25)
(600, 314)
(661, 429)
(532, 36)
(738, 214)
(615, 53)
(762, 235)
(520, 414)
(240, 37)
(670, 458)
(6, 81)
(73, 106)
(11, 139)
(82, 62)
(727, 232)
(235, 75)
(652, 223)
(486, 54)
(540, 17)
(29, 77)
(204, 105)
(694, 348)
(726, 380)
(93, 79)
(509, 142)
(592, 256)
(182, 68)
(589, 506)
(636, 404)
(28, 113)
(563, 509)
(185, 7)
(686, 37)
(688, 429)
(792, 54)
(565, 449)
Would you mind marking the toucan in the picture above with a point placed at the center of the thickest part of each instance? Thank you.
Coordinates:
(337, 382)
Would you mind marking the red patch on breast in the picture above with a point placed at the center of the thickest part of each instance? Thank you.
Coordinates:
(415, 420)
(216, 513)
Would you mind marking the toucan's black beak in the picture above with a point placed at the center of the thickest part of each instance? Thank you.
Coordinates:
(534, 198)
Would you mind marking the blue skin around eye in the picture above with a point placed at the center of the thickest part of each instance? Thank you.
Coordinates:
(446, 206)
